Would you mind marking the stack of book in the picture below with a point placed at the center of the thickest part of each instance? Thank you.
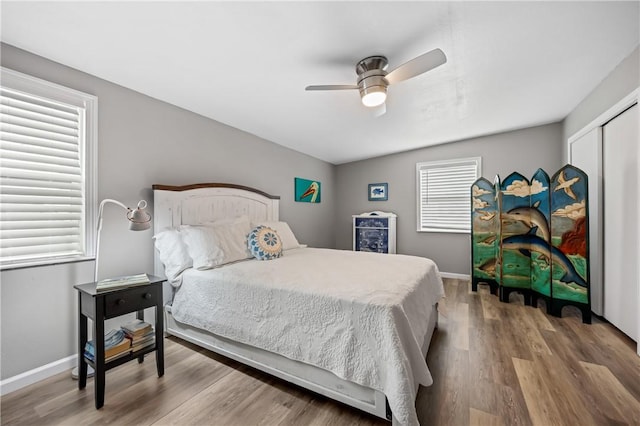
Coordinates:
(122, 282)
(116, 344)
(141, 334)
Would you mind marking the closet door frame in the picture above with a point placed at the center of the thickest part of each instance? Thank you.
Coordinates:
(619, 107)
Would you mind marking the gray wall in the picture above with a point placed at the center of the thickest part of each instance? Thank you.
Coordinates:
(624, 79)
(142, 141)
(523, 151)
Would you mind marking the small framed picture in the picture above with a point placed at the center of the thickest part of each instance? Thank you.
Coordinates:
(378, 192)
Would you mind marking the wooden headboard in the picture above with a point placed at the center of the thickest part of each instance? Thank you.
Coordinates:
(205, 202)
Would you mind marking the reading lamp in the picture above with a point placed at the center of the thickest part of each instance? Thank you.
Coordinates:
(139, 220)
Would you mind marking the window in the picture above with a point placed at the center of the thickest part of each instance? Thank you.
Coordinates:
(444, 194)
(48, 135)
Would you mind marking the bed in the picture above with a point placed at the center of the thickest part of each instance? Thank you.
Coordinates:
(358, 335)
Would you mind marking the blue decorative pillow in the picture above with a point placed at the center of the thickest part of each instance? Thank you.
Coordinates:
(264, 243)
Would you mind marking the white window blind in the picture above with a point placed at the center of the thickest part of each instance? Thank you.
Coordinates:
(444, 198)
(43, 178)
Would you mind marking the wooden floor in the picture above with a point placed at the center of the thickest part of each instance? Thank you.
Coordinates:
(492, 363)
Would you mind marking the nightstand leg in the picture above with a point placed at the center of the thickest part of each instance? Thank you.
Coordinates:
(98, 339)
(99, 389)
(159, 335)
(82, 341)
(140, 316)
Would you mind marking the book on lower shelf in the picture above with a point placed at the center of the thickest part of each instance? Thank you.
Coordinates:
(141, 333)
(116, 344)
(144, 344)
(136, 328)
(122, 282)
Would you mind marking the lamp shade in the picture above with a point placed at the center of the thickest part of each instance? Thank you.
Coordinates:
(139, 219)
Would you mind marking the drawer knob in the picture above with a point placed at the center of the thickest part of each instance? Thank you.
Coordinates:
(147, 295)
(120, 302)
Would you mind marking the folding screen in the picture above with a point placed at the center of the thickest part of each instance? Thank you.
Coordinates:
(570, 239)
(514, 218)
(540, 217)
(536, 242)
(485, 225)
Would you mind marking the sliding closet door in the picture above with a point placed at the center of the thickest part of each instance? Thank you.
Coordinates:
(621, 254)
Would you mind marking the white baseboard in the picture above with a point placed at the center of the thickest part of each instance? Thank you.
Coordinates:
(40, 373)
(455, 276)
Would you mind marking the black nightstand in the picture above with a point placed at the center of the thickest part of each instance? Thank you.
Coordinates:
(103, 305)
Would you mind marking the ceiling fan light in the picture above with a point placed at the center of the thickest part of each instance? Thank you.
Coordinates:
(374, 96)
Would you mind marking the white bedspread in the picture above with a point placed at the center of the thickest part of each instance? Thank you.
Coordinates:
(362, 316)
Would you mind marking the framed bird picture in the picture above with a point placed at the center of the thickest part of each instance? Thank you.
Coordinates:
(378, 192)
(307, 191)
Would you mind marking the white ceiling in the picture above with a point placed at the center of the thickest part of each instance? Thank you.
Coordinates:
(510, 64)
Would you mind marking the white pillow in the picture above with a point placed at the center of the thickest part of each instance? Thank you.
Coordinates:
(217, 243)
(203, 246)
(232, 238)
(289, 240)
(173, 254)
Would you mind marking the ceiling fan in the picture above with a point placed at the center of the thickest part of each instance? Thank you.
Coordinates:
(373, 79)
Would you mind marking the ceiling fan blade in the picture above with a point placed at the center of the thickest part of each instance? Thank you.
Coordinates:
(332, 87)
(417, 66)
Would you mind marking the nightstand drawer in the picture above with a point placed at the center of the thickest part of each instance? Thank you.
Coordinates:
(130, 300)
